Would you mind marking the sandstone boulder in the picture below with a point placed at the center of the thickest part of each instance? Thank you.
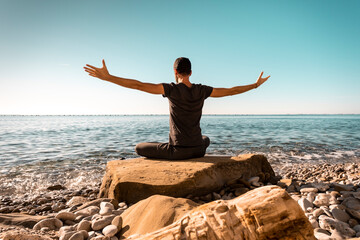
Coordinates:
(264, 213)
(154, 213)
(136, 179)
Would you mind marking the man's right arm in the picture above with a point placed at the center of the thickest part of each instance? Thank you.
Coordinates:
(103, 74)
(135, 84)
(223, 92)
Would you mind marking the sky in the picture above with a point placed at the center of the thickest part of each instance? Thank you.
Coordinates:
(310, 48)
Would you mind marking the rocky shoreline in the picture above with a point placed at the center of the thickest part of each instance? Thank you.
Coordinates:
(45, 203)
(329, 195)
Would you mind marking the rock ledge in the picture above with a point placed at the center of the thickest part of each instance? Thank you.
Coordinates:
(136, 179)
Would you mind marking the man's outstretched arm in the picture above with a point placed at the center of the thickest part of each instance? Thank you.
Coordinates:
(103, 74)
(223, 92)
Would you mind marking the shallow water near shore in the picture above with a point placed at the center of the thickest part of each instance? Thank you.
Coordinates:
(40, 151)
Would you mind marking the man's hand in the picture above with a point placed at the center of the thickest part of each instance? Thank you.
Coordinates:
(261, 80)
(101, 73)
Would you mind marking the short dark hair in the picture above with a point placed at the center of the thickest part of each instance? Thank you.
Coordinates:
(183, 65)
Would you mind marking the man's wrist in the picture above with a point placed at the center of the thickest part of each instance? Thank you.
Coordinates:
(255, 85)
(108, 78)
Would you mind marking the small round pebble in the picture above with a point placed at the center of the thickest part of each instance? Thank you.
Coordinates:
(110, 230)
(123, 205)
(84, 225)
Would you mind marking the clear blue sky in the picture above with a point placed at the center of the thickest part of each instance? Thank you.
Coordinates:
(311, 49)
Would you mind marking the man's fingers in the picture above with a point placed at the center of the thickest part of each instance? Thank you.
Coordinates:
(103, 62)
(92, 72)
(261, 74)
(91, 66)
(89, 69)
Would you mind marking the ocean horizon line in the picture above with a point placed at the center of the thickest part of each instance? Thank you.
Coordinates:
(207, 114)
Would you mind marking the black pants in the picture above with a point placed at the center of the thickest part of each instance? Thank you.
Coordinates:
(167, 151)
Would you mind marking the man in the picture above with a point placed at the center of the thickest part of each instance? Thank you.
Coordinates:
(186, 100)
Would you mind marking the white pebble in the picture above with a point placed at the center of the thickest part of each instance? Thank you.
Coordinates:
(101, 222)
(123, 205)
(106, 205)
(106, 211)
(110, 230)
(322, 199)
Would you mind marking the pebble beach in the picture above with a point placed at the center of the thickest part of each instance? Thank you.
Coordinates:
(329, 195)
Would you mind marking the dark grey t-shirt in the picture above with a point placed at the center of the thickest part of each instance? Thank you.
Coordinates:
(185, 105)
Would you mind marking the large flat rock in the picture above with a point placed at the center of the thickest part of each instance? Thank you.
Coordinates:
(136, 179)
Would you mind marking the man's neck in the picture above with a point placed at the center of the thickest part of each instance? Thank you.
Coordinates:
(184, 80)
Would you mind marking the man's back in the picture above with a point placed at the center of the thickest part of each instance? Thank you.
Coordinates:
(185, 104)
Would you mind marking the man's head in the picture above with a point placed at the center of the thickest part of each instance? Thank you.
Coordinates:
(182, 67)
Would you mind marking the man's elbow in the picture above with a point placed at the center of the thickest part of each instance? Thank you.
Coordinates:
(232, 91)
(137, 85)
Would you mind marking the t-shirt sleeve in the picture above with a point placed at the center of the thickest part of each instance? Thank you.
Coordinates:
(207, 91)
(167, 89)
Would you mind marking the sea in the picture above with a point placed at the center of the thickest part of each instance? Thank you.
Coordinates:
(41, 151)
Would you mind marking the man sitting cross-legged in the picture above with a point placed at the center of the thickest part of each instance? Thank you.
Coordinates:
(186, 101)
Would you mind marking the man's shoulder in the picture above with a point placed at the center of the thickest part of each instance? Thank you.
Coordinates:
(171, 84)
(200, 85)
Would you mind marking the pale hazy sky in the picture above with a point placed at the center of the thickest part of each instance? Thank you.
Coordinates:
(311, 50)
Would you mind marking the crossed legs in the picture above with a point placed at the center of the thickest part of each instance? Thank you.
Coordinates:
(167, 151)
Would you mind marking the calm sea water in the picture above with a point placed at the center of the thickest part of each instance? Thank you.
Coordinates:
(39, 151)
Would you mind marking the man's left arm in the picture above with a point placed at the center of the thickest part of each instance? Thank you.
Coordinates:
(223, 92)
